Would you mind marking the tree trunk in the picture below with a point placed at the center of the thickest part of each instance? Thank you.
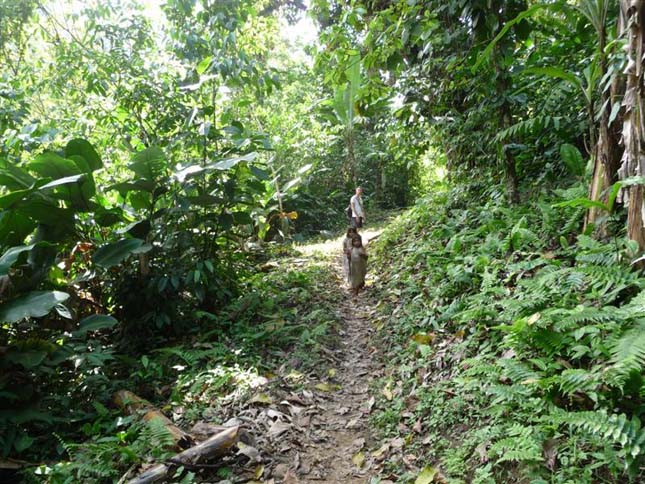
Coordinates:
(606, 152)
(512, 184)
(633, 160)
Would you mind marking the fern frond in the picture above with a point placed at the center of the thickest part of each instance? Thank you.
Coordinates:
(620, 430)
(571, 319)
(578, 380)
(519, 372)
(628, 353)
(521, 445)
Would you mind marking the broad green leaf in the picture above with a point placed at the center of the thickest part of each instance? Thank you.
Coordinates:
(426, 476)
(114, 253)
(53, 166)
(204, 65)
(615, 189)
(259, 172)
(94, 323)
(44, 211)
(64, 181)
(137, 185)
(340, 106)
(149, 163)
(582, 202)
(108, 217)
(83, 148)
(23, 442)
(14, 178)
(14, 227)
(27, 359)
(557, 73)
(291, 183)
(10, 257)
(6, 201)
(229, 163)
(35, 304)
(242, 218)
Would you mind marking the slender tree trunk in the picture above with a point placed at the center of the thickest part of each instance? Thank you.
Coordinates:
(633, 160)
(606, 152)
(502, 87)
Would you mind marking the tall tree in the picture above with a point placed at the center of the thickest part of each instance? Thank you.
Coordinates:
(606, 152)
(633, 160)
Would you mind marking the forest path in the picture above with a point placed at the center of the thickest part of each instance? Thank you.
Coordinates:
(337, 452)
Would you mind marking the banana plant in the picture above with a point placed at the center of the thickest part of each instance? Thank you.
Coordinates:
(344, 104)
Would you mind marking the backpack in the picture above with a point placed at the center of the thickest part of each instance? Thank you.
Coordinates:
(348, 212)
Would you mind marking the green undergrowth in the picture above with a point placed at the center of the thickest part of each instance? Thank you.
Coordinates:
(518, 343)
(284, 315)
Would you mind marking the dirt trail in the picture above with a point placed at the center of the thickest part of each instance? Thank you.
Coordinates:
(314, 427)
(339, 450)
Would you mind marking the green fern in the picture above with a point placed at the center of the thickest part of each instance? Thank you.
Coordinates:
(618, 429)
(521, 445)
(628, 353)
(578, 380)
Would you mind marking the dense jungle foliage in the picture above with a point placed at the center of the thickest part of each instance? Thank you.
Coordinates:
(161, 162)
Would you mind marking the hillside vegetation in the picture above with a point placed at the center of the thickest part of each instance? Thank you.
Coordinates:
(515, 343)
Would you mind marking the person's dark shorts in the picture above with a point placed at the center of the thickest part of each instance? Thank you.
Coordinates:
(357, 222)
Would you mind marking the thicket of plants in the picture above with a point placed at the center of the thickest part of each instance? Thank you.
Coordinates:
(153, 159)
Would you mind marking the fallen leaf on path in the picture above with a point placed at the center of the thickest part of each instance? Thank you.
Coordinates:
(397, 443)
(368, 405)
(273, 414)
(482, 450)
(358, 459)
(426, 476)
(533, 319)
(423, 338)
(290, 478)
(259, 470)
(278, 428)
(331, 372)
(381, 453)
(327, 387)
(409, 459)
(358, 443)
(417, 427)
(249, 451)
(353, 423)
(387, 393)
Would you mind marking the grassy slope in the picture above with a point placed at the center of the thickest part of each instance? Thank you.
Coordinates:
(518, 345)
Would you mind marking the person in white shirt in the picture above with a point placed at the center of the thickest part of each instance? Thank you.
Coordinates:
(358, 213)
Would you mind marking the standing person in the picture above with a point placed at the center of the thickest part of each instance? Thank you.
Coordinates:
(358, 213)
(358, 265)
(347, 251)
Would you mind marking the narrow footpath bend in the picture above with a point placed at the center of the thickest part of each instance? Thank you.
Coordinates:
(340, 450)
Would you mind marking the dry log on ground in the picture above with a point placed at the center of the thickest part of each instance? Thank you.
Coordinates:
(132, 403)
(217, 445)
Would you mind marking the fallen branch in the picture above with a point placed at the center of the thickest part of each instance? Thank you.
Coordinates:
(132, 403)
(217, 445)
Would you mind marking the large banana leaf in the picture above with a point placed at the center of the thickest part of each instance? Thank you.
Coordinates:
(35, 304)
(114, 253)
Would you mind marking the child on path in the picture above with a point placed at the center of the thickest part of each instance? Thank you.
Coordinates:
(347, 251)
(358, 265)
